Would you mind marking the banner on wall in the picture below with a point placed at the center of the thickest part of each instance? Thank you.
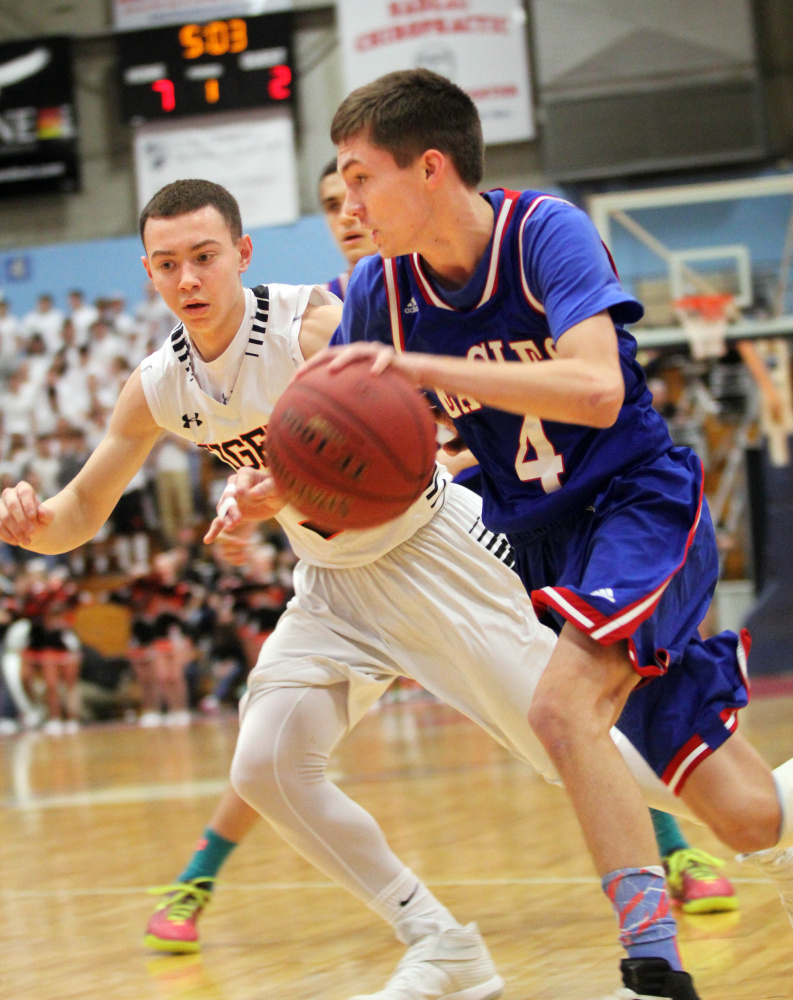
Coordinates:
(479, 44)
(251, 155)
(149, 13)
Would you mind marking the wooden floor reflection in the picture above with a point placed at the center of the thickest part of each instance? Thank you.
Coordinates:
(89, 821)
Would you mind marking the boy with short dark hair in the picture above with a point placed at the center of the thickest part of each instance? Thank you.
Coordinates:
(608, 520)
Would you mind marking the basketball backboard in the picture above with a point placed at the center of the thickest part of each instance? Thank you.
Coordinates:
(732, 237)
(730, 240)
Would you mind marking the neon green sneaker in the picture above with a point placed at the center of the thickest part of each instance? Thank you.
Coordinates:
(173, 925)
(695, 883)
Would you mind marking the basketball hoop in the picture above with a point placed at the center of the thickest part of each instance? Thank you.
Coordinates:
(704, 318)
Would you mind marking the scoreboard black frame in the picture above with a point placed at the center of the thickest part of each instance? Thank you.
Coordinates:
(197, 68)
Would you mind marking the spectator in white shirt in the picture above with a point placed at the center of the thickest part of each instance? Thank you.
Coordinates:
(38, 360)
(18, 456)
(46, 320)
(105, 346)
(71, 389)
(10, 337)
(112, 312)
(48, 413)
(82, 315)
(155, 319)
(46, 464)
(19, 403)
(70, 350)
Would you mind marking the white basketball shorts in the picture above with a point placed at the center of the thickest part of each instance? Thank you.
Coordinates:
(440, 608)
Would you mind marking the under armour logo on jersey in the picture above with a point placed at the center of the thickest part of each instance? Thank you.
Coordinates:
(195, 419)
(412, 306)
(606, 592)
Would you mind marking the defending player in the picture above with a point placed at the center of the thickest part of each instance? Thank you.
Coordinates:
(516, 312)
(173, 925)
(345, 636)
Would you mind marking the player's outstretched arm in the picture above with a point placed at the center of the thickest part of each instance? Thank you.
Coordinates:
(74, 515)
(338, 356)
(582, 384)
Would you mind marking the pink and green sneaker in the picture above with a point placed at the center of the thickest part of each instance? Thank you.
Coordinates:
(695, 883)
(173, 925)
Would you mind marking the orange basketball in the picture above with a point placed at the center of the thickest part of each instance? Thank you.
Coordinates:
(351, 449)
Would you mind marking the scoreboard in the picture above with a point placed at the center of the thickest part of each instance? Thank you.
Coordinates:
(198, 68)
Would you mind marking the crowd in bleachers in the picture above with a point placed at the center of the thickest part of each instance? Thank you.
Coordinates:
(60, 375)
(194, 624)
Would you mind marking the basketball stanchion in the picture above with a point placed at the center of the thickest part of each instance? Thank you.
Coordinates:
(778, 425)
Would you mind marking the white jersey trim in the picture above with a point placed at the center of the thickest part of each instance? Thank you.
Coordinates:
(533, 301)
(492, 272)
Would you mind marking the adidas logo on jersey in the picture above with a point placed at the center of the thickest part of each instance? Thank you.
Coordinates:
(606, 592)
(412, 306)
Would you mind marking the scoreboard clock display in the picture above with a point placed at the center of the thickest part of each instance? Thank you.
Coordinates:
(199, 68)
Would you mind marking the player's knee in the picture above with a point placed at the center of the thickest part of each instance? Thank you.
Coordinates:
(253, 776)
(561, 715)
(552, 722)
(754, 827)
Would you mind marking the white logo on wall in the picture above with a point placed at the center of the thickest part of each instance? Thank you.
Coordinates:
(16, 70)
(438, 58)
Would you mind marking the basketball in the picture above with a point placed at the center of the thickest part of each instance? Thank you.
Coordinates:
(351, 449)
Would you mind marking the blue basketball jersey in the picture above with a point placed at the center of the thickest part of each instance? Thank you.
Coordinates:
(545, 270)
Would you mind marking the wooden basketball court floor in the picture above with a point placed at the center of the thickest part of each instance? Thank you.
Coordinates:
(89, 821)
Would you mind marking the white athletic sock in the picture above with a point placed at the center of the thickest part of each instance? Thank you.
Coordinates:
(783, 779)
(411, 909)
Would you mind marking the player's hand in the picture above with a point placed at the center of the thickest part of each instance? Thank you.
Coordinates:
(249, 495)
(455, 461)
(337, 358)
(449, 440)
(22, 515)
(234, 545)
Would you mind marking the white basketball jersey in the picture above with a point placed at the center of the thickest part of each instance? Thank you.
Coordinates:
(236, 429)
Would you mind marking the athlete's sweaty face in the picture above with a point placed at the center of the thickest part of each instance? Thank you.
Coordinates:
(389, 200)
(195, 265)
(351, 238)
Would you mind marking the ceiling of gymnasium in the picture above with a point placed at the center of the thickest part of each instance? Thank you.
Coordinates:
(80, 18)
(23, 19)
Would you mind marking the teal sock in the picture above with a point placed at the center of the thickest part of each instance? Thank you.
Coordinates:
(210, 855)
(668, 834)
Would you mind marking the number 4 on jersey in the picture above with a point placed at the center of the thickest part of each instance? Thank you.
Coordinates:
(547, 466)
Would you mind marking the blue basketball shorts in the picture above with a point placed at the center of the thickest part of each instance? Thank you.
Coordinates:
(641, 565)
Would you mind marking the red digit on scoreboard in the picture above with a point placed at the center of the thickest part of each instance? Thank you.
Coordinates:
(280, 79)
(165, 89)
